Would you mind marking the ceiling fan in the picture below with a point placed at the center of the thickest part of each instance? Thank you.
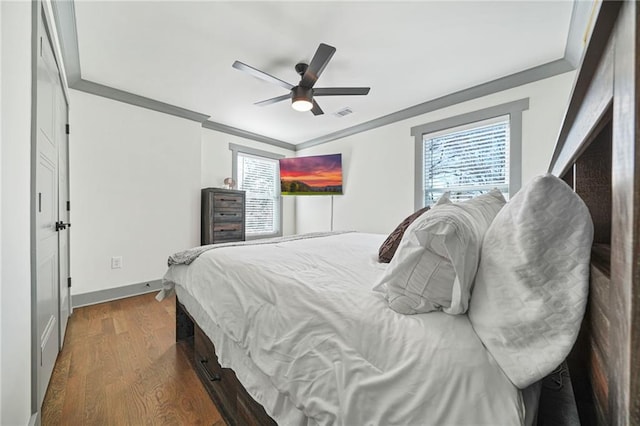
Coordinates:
(302, 95)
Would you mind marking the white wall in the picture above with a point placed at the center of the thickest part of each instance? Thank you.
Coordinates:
(135, 183)
(216, 165)
(15, 302)
(1, 139)
(378, 165)
(135, 188)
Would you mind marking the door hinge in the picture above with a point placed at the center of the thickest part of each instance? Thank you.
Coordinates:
(69, 282)
(66, 128)
(68, 206)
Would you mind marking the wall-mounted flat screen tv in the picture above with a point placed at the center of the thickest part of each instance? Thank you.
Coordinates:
(313, 175)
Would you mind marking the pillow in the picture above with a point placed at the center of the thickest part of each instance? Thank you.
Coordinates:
(532, 283)
(390, 245)
(436, 261)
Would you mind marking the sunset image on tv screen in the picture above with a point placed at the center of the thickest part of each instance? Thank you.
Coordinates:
(315, 175)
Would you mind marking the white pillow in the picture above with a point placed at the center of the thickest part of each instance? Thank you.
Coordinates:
(532, 283)
(437, 259)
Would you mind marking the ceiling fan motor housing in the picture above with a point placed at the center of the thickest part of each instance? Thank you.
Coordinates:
(301, 68)
(299, 93)
(302, 98)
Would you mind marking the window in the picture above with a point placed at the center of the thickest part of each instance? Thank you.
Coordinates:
(257, 173)
(467, 161)
(470, 154)
(259, 178)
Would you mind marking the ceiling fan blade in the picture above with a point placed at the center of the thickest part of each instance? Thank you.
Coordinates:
(274, 100)
(340, 91)
(319, 61)
(316, 110)
(261, 75)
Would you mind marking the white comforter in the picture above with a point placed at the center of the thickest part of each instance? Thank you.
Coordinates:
(304, 313)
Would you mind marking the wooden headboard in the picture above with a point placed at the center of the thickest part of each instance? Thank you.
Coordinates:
(598, 154)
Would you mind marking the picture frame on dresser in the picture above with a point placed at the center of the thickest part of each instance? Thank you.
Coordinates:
(222, 216)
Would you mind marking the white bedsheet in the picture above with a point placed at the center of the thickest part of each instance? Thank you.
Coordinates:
(304, 314)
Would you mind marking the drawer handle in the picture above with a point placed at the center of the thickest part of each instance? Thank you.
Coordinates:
(212, 377)
(228, 214)
(226, 230)
(228, 199)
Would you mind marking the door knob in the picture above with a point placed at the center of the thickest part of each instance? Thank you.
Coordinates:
(61, 225)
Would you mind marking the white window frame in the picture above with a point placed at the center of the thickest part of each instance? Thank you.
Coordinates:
(235, 149)
(512, 109)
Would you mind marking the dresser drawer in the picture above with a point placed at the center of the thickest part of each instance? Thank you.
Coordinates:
(228, 202)
(227, 231)
(219, 382)
(227, 227)
(226, 237)
(228, 216)
(230, 397)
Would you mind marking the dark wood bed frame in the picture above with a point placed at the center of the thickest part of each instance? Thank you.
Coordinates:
(230, 397)
(598, 154)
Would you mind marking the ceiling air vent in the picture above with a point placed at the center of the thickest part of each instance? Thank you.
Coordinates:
(343, 112)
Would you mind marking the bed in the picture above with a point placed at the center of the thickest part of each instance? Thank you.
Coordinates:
(318, 346)
(256, 379)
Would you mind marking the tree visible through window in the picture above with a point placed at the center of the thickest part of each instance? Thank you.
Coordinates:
(259, 177)
(466, 161)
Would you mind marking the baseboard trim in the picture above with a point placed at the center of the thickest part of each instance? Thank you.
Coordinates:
(35, 419)
(107, 295)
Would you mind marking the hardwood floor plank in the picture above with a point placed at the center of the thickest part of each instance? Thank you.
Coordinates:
(72, 406)
(58, 387)
(120, 365)
(119, 320)
(95, 409)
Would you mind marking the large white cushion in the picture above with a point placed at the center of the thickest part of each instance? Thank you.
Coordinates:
(531, 287)
(437, 259)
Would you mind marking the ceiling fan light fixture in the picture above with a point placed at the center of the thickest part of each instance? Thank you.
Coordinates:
(302, 105)
(301, 98)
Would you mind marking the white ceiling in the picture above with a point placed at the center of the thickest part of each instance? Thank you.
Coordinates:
(181, 53)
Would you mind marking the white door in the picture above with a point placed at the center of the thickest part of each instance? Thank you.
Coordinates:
(63, 213)
(46, 205)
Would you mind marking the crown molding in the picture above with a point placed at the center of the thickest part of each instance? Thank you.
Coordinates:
(133, 99)
(212, 125)
(64, 14)
(514, 80)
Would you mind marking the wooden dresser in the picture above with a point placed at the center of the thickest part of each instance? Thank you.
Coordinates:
(222, 218)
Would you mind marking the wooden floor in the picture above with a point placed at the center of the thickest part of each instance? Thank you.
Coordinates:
(120, 365)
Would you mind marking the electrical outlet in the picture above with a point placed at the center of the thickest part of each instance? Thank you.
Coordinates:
(116, 262)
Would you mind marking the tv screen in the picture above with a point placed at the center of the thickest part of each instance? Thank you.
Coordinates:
(314, 175)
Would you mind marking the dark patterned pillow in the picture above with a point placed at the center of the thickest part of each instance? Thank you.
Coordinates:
(390, 245)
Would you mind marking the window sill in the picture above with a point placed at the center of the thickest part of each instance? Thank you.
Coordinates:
(262, 236)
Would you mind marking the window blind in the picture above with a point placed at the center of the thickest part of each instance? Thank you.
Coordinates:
(467, 161)
(259, 177)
